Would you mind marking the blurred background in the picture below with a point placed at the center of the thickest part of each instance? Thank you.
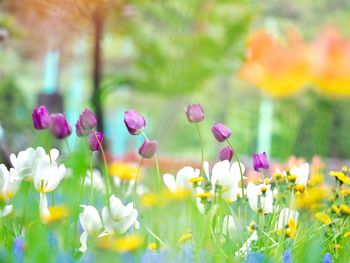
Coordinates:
(277, 72)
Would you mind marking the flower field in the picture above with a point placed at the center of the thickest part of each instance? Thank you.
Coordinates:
(134, 213)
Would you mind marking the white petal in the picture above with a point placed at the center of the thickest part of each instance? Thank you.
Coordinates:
(54, 153)
(6, 210)
(206, 169)
(220, 172)
(90, 219)
(83, 239)
(229, 226)
(169, 181)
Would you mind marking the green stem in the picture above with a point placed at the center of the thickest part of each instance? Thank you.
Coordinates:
(201, 144)
(137, 176)
(92, 180)
(107, 182)
(239, 165)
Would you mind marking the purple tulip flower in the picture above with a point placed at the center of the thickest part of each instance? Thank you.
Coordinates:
(226, 154)
(59, 126)
(221, 132)
(41, 118)
(134, 122)
(194, 113)
(94, 145)
(148, 149)
(87, 120)
(260, 161)
(80, 130)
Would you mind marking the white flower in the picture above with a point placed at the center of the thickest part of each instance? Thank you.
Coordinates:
(228, 177)
(182, 181)
(244, 249)
(91, 223)
(120, 218)
(9, 182)
(285, 215)
(260, 197)
(97, 180)
(302, 173)
(229, 226)
(47, 177)
(26, 160)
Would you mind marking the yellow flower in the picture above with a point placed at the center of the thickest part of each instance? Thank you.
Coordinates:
(292, 178)
(336, 246)
(204, 195)
(123, 171)
(121, 244)
(185, 237)
(291, 228)
(299, 188)
(344, 209)
(311, 199)
(196, 180)
(316, 179)
(340, 176)
(178, 195)
(335, 209)
(277, 176)
(345, 192)
(56, 213)
(347, 234)
(323, 217)
(152, 246)
(148, 200)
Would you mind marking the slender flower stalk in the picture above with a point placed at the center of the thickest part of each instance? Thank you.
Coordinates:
(137, 176)
(201, 144)
(107, 182)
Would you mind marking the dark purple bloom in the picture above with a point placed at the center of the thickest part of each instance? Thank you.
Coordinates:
(79, 129)
(41, 118)
(148, 149)
(327, 258)
(87, 120)
(194, 113)
(226, 153)
(134, 122)
(260, 161)
(59, 126)
(94, 145)
(221, 132)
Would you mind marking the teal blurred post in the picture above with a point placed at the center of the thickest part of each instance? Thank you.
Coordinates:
(265, 125)
(51, 72)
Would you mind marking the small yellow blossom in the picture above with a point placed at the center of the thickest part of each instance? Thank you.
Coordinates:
(345, 192)
(340, 176)
(185, 237)
(291, 228)
(56, 213)
(196, 180)
(204, 195)
(335, 209)
(152, 246)
(148, 200)
(292, 178)
(123, 171)
(336, 246)
(323, 217)
(277, 176)
(344, 209)
(347, 234)
(299, 188)
(121, 244)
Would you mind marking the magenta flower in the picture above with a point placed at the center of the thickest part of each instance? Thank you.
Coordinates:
(148, 149)
(194, 113)
(87, 120)
(94, 145)
(59, 126)
(226, 153)
(134, 122)
(221, 132)
(41, 118)
(79, 129)
(260, 161)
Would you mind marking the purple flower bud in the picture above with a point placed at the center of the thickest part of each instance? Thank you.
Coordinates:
(79, 129)
(88, 120)
(59, 126)
(148, 149)
(92, 140)
(134, 122)
(260, 161)
(221, 132)
(194, 113)
(41, 118)
(226, 153)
